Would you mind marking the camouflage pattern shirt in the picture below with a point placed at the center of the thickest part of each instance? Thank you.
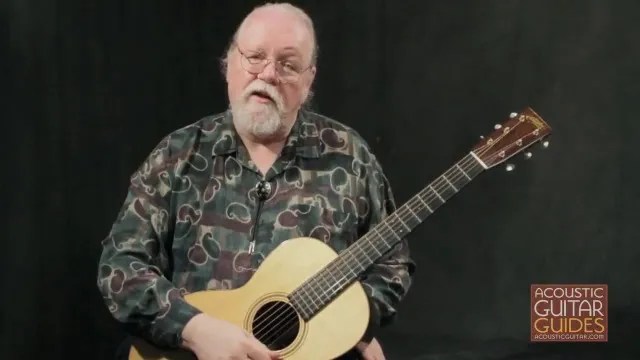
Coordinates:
(193, 219)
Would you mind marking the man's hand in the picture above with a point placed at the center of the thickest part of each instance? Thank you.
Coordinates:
(371, 351)
(212, 339)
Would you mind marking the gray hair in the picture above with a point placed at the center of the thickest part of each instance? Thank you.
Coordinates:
(306, 19)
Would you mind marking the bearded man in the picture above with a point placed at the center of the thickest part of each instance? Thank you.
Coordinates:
(216, 197)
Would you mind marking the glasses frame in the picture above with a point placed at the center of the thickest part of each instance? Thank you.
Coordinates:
(265, 62)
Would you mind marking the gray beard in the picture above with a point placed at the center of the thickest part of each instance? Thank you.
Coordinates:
(261, 121)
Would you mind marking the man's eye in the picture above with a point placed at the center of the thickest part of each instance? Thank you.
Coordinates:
(291, 66)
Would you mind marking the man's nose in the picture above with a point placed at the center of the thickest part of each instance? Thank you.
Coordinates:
(269, 74)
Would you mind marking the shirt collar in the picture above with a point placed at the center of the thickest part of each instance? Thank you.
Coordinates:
(304, 137)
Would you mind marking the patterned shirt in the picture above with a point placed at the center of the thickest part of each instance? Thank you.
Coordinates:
(195, 219)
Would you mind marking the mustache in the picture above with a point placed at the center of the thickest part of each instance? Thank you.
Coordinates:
(264, 89)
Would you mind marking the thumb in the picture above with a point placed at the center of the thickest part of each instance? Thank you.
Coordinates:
(275, 355)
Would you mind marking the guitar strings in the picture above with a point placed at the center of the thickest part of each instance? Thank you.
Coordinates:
(276, 311)
(289, 318)
(292, 320)
(439, 182)
(405, 210)
(268, 331)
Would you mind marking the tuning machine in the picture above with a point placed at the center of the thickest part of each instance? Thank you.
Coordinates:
(510, 167)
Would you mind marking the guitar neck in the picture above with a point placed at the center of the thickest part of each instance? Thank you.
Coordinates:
(325, 285)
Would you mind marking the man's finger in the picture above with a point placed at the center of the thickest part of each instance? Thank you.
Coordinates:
(257, 351)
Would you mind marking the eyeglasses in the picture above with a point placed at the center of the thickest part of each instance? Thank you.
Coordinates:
(289, 71)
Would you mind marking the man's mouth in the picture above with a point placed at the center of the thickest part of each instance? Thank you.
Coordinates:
(261, 96)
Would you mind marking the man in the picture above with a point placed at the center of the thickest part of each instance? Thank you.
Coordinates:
(214, 198)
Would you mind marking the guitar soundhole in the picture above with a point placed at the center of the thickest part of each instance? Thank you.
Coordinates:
(276, 324)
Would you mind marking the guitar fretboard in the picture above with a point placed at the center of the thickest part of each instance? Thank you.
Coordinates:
(327, 284)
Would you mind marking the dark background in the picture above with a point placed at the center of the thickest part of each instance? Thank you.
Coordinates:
(89, 88)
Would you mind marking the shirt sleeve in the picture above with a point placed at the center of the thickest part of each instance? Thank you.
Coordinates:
(388, 280)
(134, 260)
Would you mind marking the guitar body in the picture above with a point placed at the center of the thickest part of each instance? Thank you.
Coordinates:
(332, 332)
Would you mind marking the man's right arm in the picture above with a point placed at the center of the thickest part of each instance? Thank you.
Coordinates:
(134, 258)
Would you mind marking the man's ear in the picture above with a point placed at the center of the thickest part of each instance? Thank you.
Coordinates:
(224, 63)
(310, 79)
(312, 75)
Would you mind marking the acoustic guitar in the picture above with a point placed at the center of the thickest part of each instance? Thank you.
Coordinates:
(306, 301)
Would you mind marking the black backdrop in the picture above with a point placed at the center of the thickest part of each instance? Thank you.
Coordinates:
(90, 87)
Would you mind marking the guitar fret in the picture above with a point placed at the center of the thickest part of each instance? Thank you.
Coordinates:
(437, 194)
(301, 303)
(380, 237)
(313, 288)
(454, 188)
(303, 307)
(425, 204)
(413, 213)
(333, 276)
(464, 172)
(401, 222)
(328, 284)
(392, 231)
(364, 253)
(354, 256)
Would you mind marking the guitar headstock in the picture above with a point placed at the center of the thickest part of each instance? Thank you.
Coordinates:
(519, 132)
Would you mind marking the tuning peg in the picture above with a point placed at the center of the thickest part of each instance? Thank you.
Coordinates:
(497, 126)
(481, 137)
(513, 114)
(545, 144)
(510, 167)
(528, 155)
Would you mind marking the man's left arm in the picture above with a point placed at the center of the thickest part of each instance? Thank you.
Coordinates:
(388, 280)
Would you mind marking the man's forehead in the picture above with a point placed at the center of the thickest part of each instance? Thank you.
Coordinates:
(287, 32)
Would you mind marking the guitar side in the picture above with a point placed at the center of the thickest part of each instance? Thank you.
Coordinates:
(329, 334)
